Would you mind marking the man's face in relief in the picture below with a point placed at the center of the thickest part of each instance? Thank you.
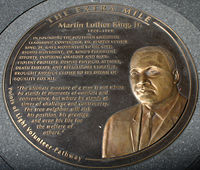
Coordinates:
(151, 77)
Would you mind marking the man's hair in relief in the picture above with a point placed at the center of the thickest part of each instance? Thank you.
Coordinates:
(159, 50)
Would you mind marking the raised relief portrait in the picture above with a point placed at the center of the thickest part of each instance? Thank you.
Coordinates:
(153, 80)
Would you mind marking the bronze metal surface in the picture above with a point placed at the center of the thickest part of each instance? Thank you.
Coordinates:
(100, 85)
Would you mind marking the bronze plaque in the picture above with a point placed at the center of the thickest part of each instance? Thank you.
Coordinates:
(100, 85)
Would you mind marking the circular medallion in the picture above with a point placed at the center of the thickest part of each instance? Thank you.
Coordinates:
(100, 85)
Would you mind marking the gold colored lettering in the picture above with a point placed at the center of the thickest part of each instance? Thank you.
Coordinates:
(140, 15)
(147, 19)
(127, 11)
